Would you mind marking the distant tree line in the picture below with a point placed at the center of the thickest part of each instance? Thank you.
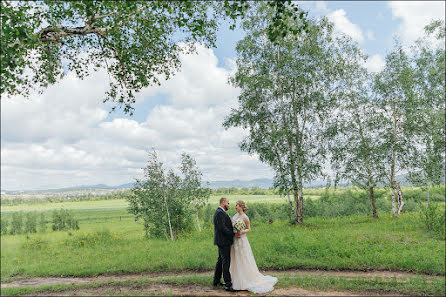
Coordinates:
(32, 222)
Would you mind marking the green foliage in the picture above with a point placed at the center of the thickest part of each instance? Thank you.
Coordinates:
(31, 222)
(353, 242)
(4, 225)
(427, 116)
(287, 93)
(136, 42)
(120, 194)
(42, 223)
(103, 237)
(64, 220)
(16, 223)
(35, 243)
(433, 219)
(165, 201)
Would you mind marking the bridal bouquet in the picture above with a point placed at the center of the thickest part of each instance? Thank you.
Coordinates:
(239, 225)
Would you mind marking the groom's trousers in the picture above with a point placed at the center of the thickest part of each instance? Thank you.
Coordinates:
(223, 262)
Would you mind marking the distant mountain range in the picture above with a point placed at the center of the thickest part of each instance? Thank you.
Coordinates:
(263, 183)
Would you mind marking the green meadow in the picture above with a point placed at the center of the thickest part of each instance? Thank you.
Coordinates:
(110, 241)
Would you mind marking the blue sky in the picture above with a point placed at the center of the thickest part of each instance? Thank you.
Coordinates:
(67, 137)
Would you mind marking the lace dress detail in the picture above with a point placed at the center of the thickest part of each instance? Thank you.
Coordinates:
(244, 272)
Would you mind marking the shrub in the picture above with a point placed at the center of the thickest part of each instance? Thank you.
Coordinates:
(64, 220)
(31, 222)
(35, 243)
(90, 239)
(42, 223)
(16, 223)
(433, 219)
(4, 226)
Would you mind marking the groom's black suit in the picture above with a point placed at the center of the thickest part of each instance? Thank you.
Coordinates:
(223, 238)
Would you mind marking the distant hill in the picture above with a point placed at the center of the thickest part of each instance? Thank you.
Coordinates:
(263, 183)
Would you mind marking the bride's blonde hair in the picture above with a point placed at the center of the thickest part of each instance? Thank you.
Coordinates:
(242, 205)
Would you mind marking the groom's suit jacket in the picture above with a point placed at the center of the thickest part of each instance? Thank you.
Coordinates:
(223, 231)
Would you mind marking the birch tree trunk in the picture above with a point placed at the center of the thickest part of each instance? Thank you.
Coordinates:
(400, 197)
(168, 215)
(394, 206)
(392, 169)
(427, 194)
(198, 221)
(300, 206)
(293, 216)
(372, 201)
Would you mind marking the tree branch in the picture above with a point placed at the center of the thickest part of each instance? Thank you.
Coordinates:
(55, 33)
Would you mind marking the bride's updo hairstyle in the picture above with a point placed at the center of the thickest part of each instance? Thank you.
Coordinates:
(242, 205)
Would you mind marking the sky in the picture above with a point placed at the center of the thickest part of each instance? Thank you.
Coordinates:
(68, 137)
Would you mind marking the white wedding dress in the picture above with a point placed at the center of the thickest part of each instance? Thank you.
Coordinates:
(244, 272)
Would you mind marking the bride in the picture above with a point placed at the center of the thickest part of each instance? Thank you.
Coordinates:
(244, 272)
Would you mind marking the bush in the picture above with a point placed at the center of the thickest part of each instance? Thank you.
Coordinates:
(4, 226)
(42, 223)
(31, 222)
(433, 219)
(91, 239)
(64, 220)
(16, 223)
(35, 243)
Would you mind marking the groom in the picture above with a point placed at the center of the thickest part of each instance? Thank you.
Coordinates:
(223, 238)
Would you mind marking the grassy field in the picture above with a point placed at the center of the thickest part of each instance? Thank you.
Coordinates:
(115, 246)
(111, 242)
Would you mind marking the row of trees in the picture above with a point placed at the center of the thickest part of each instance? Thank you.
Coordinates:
(307, 99)
(16, 200)
(166, 201)
(31, 222)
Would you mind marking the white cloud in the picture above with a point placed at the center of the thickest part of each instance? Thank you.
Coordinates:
(344, 25)
(322, 6)
(375, 63)
(63, 137)
(200, 83)
(415, 15)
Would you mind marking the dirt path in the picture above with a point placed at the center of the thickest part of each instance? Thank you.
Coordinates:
(40, 281)
(194, 290)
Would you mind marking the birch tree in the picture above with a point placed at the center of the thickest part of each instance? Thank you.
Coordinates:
(150, 201)
(395, 92)
(356, 142)
(138, 43)
(287, 90)
(194, 192)
(426, 162)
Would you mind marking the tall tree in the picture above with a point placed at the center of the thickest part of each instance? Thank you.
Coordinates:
(356, 144)
(150, 200)
(395, 90)
(287, 90)
(137, 42)
(166, 201)
(195, 193)
(426, 162)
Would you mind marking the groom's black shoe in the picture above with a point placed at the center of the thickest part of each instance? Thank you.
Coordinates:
(220, 284)
(229, 289)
